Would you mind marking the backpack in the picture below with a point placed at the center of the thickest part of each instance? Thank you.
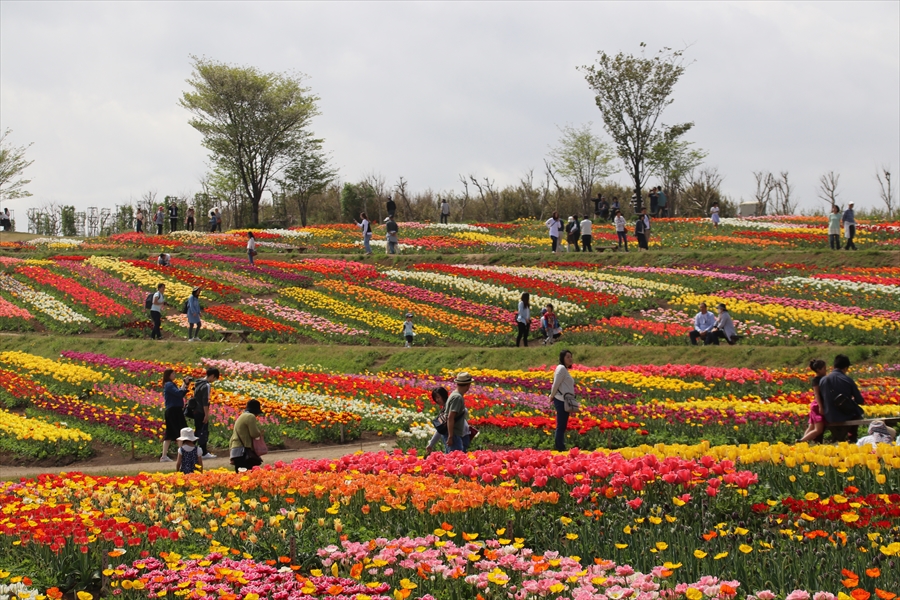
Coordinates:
(190, 408)
(184, 306)
(148, 301)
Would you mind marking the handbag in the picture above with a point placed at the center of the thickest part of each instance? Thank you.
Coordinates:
(440, 424)
(571, 403)
(259, 446)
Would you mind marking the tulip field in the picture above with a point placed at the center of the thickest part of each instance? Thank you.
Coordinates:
(682, 481)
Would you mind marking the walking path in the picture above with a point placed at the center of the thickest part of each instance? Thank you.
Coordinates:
(133, 468)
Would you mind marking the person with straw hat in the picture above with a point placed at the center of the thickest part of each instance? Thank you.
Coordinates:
(455, 412)
(879, 433)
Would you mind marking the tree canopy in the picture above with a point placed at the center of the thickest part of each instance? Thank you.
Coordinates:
(252, 122)
(307, 174)
(632, 92)
(12, 165)
(583, 159)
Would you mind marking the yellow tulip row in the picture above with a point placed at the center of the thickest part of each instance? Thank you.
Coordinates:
(23, 428)
(74, 374)
(789, 313)
(591, 377)
(320, 301)
(142, 277)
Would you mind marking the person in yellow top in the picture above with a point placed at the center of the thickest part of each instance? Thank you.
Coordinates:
(246, 429)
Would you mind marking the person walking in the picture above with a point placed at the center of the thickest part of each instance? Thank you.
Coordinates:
(816, 422)
(174, 411)
(409, 330)
(156, 307)
(139, 221)
(391, 207)
(202, 414)
(439, 397)
(193, 314)
(445, 211)
(246, 430)
(523, 319)
(661, 202)
(573, 232)
(550, 325)
(173, 217)
(189, 221)
(704, 321)
(640, 230)
(714, 214)
(456, 414)
(218, 221)
(366, 227)
(586, 234)
(615, 207)
(160, 220)
(553, 226)
(841, 400)
(212, 221)
(188, 453)
(834, 228)
(848, 222)
(251, 247)
(622, 236)
(654, 200)
(391, 235)
(563, 385)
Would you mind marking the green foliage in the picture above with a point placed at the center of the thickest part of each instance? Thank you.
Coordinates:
(307, 175)
(354, 199)
(12, 165)
(583, 159)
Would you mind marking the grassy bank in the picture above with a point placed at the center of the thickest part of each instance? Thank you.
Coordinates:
(379, 358)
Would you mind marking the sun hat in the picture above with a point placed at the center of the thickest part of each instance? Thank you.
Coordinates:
(571, 219)
(254, 407)
(463, 379)
(187, 435)
(196, 289)
(879, 428)
(408, 315)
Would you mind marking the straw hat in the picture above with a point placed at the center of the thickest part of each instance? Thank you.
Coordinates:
(463, 379)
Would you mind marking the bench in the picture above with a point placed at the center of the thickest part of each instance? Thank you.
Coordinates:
(848, 430)
(612, 248)
(242, 335)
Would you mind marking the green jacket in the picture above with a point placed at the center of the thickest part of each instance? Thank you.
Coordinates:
(246, 429)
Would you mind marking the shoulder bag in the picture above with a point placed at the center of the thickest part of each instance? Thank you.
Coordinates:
(571, 403)
(259, 446)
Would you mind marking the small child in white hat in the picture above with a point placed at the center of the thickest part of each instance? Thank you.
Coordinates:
(189, 455)
(409, 330)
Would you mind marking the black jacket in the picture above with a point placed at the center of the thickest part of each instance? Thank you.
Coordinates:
(840, 384)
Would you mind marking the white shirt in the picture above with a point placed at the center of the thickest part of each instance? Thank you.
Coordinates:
(646, 222)
(726, 325)
(365, 227)
(445, 208)
(620, 223)
(523, 315)
(251, 244)
(586, 227)
(553, 225)
(158, 301)
(704, 321)
(563, 383)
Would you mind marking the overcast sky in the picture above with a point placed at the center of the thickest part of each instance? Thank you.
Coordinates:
(431, 90)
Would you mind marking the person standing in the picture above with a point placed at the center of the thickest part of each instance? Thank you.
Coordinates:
(586, 234)
(212, 221)
(156, 307)
(174, 411)
(391, 237)
(848, 222)
(188, 454)
(553, 225)
(439, 398)
(604, 210)
(366, 227)
(251, 247)
(563, 384)
(456, 414)
(391, 207)
(409, 330)
(724, 327)
(218, 221)
(614, 207)
(640, 230)
(189, 221)
(622, 236)
(160, 220)
(598, 203)
(646, 218)
(834, 228)
(572, 234)
(662, 202)
(5, 220)
(445, 211)
(704, 322)
(654, 200)
(841, 400)
(202, 415)
(523, 319)
(139, 221)
(246, 430)
(193, 315)
(714, 214)
(173, 217)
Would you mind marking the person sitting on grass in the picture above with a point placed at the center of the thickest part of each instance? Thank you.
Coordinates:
(724, 327)
(879, 433)
(704, 322)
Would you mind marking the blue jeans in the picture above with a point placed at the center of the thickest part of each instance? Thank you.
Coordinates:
(460, 443)
(562, 421)
(366, 239)
(250, 256)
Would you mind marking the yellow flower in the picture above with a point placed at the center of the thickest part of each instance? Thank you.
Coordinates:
(700, 554)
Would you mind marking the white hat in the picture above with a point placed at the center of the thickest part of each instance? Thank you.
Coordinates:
(571, 219)
(386, 219)
(187, 435)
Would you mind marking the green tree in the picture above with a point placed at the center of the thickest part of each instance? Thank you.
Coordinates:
(252, 122)
(308, 174)
(12, 165)
(632, 92)
(671, 159)
(582, 159)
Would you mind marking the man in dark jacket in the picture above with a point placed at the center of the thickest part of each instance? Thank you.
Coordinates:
(841, 399)
(391, 207)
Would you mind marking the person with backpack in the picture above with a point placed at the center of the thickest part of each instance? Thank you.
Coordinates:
(393, 240)
(192, 309)
(198, 408)
(155, 303)
(246, 431)
(188, 453)
(174, 411)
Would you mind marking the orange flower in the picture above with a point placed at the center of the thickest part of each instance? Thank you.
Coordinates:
(284, 560)
(334, 590)
(860, 594)
(710, 535)
(850, 582)
(356, 571)
(727, 590)
(884, 595)
(849, 573)
(55, 594)
(874, 572)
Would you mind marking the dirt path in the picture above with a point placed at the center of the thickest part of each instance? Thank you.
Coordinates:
(326, 452)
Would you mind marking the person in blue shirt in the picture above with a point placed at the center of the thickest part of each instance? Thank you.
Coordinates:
(703, 326)
(193, 315)
(848, 222)
(175, 420)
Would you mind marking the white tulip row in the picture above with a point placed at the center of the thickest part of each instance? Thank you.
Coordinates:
(855, 286)
(45, 303)
(635, 287)
(54, 241)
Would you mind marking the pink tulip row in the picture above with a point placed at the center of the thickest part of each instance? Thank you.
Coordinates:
(303, 318)
(129, 291)
(689, 272)
(814, 305)
(8, 310)
(453, 303)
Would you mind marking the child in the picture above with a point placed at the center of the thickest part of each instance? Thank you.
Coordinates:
(409, 329)
(550, 324)
(816, 420)
(189, 456)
